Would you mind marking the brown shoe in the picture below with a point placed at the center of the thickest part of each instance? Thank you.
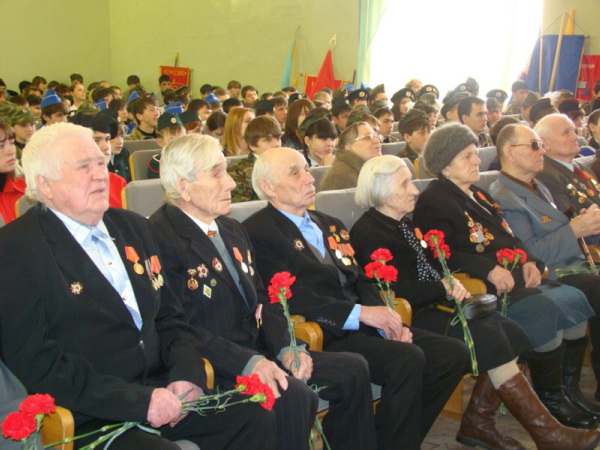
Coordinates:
(547, 432)
(478, 425)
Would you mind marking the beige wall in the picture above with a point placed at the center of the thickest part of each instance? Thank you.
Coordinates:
(53, 39)
(220, 40)
(587, 17)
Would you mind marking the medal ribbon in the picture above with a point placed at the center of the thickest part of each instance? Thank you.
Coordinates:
(132, 255)
(155, 263)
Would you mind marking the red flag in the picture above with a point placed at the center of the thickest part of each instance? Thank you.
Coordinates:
(325, 77)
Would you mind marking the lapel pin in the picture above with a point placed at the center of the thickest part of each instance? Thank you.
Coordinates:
(76, 288)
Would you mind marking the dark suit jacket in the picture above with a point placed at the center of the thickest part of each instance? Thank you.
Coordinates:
(317, 293)
(84, 349)
(556, 177)
(185, 246)
(375, 230)
(442, 206)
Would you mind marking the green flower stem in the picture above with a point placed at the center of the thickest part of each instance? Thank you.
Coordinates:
(100, 430)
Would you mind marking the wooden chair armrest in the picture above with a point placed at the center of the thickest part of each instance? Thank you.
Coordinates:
(309, 332)
(404, 309)
(594, 252)
(58, 426)
(473, 285)
(210, 374)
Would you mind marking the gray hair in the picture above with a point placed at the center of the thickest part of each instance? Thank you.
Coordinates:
(374, 180)
(263, 170)
(40, 156)
(349, 134)
(545, 126)
(184, 157)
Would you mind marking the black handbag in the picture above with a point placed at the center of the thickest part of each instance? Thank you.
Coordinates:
(476, 306)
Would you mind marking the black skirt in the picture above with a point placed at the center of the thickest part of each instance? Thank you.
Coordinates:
(498, 340)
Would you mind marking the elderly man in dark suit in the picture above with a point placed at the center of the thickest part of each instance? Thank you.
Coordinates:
(572, 187)
(417, 370)
(85, 314)
(530, 211)
(210, 264)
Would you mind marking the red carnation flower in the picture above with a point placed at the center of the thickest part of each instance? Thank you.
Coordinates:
(38, 404)
(256, 389)
(280, 281)
(19, 425)
(520, 256)
(505, 256)
(433, 237)
(388, 274)
(372, 268)
(381, 254)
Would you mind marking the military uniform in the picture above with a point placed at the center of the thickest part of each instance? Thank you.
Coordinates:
(119, 164)
(241, 172)
(409, 153)
(139, 135)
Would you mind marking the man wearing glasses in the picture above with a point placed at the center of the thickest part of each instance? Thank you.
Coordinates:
(529, 208)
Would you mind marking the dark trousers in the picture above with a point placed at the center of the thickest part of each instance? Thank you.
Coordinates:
(350, 422)
(238, 427)
(589, 284)
(417, 379)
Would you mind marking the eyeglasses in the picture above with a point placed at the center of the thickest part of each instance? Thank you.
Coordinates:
(367, 137)
(533, 145)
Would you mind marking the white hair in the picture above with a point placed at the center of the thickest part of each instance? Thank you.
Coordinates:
(544, 128)
(185, 156)
(40, 154)
(374, 183)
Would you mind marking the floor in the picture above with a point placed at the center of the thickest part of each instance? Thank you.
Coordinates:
(444, 430)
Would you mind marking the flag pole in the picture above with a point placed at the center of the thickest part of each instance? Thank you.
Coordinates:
(541, 67)
(557, 53)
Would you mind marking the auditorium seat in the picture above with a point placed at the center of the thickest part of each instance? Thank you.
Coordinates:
(138, 163)
(143, 196)
(146, 144)
(392, 148)
(486, 155)
(318, 173)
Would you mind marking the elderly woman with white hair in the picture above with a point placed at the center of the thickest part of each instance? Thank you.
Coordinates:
(385, 187)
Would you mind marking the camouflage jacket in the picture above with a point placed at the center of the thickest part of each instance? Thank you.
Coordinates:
(241, 172)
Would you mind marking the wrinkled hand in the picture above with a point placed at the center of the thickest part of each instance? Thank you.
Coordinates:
(385, 319)
(459, 292)
(502, 279)
(181, 387)
(532, 275)
(270, 374)
(164, 408)
(306, 365)
(587, 223)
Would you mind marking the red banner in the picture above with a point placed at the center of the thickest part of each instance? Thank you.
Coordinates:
(180, 76)
(309, 82)
(588, 75)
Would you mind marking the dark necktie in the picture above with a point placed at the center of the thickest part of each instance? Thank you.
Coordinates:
(226, 257)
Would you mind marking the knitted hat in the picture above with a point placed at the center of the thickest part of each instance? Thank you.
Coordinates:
(444, 144)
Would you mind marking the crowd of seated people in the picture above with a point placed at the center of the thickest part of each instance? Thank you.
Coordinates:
(112, 313)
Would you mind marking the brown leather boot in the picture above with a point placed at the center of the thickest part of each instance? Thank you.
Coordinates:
(547, 432)
(478, 425)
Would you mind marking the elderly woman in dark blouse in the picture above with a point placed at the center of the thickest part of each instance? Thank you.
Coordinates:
(385, 186)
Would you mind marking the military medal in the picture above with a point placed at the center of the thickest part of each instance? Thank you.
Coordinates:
(240, 259)
(150, 273)
(211, 233)
(249, 257)
(251, 271)
(207, 291)
(192, 284)
(345, 235)
(213, 282)
(346, 261)
(76, 288)
(202, 271)
(217, 265)
(479, 248)
(298, 244)
(156, 267)
(419, 236)
(135, 259)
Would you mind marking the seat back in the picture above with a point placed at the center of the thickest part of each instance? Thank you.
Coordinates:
(339, 204)
(585, 162)
(138, 163)
(411, 167)
(581, 142)
(241, 211)
(486, 179)
(146, 144)
(318, 173)
(392, 148)
(422, 184)
(22, 205)
(486, 155)
(421, 170)
(143, 196)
